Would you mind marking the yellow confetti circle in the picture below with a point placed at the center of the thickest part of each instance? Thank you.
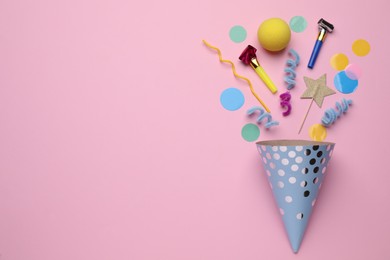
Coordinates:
(317, 132)
(339, 61)
(361, 47)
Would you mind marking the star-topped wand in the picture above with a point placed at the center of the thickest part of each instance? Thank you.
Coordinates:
(317, 91)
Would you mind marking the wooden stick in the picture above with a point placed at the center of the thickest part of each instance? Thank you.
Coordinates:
(304, 119)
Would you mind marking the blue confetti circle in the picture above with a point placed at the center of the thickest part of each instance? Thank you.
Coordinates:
(345, 84)
(232, 99)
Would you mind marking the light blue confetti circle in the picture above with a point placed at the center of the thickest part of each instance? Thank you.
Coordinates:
(298, 24)
(345, 84)
(237, 34)
(232, 99)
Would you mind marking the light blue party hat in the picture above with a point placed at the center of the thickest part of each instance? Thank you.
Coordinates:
(295, 170)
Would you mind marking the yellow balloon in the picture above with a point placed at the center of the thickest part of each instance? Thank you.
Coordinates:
(274, 34)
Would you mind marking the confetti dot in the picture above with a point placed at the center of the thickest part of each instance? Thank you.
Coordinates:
(268, 155)
(299, 159)
(250, 132)
(319, 154)
(298, 24)
(292, 180)
(299, 148)
(294, 167)
(232, 99)
(291, 154)
(285, 161)
(300, 216)
(339, 61)
(281, 172)
(313, 161)
(272, 165)
(307, 152)
(280, 184)
(237, 34)
(288, 199)
(353, 71)
(316, 169)
(361, 47)
(305, 170)
(344, 84)
(276, 156)
(317, 132)
(315, 180)
(306, 193)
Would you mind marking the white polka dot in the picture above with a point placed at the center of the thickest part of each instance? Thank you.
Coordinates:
(330, 153)
(320, 186)
(323, 170)
(299, 148)
(303, 184)
(294, 167)
(268, 172)
(323, 160)
(264, 160)
(280, 184)
(270, 184)
(313, 202)
(281, 172)
(283, 148)
(300, 216)
(259, 150)
(285, 161)
(272, 165)
(281, 211)
(288, 199)
(292, 180)
(328, 147)
(274, 148)
(263, 148)
(268, 155)
(276, 156)
(291, 154)
(299, 159)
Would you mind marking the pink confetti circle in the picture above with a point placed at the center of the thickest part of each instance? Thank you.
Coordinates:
(353, 71)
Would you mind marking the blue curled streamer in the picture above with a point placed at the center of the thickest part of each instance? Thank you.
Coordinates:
(263, 116)
(331, 115)
(290, 69)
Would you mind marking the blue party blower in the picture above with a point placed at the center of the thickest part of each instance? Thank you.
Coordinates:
(324, 28)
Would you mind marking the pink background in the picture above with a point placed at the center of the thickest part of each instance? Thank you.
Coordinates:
(113, 143)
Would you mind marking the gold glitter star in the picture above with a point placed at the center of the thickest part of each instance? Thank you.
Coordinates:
(317, 89)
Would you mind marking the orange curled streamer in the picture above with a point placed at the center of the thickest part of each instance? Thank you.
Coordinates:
(237, 75)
